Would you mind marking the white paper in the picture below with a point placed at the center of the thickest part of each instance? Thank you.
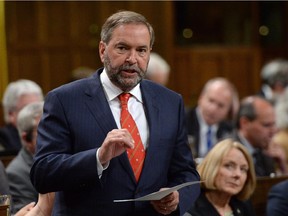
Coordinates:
(159, 194)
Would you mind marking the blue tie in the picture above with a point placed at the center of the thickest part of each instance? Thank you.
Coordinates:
(209, 138)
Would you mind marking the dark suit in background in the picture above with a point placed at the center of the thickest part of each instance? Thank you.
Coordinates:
(9, 139)
(263, 164)
(277, 204)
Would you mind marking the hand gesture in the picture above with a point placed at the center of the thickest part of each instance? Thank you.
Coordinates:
(116, 142)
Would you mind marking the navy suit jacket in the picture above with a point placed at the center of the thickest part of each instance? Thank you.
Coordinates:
(277, 204)
(75, 122)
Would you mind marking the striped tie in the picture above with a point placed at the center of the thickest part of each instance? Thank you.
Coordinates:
(137, 155)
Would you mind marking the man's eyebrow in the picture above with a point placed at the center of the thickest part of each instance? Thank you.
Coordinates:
(122, 43)
(142, 47)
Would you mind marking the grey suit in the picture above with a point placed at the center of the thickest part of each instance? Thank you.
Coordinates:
(21, 188)
(4, 187)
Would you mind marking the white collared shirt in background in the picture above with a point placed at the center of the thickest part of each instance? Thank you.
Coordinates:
(203, 127)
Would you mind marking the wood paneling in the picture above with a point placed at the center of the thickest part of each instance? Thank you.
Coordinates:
(47, 40)
(195, 66)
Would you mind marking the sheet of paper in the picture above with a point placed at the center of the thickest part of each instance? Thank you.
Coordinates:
(159, 194)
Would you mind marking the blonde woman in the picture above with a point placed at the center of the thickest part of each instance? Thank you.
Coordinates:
(229, 180)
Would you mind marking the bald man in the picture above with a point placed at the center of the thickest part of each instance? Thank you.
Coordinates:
(207, 122)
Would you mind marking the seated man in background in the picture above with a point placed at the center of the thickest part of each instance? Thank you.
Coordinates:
(17, 95)
(158, 69)
(256, 126)
(18, 170)
(207, 123)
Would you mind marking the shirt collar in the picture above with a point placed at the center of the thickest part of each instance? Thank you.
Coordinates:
(246, 143)
(113, 91)
(202, 122)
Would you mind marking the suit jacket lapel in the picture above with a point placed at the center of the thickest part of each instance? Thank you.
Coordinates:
(152, 108)
(99, 107)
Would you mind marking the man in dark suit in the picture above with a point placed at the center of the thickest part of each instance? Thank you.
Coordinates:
(255, 129)
(277, 204)
(18, 170)
(216, 104)
(81, 147)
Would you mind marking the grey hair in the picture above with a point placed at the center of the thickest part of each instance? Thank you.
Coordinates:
(14, 91)
(157, 63)
(123, 18)
(281, 110)
(275, 71)
(26, 119)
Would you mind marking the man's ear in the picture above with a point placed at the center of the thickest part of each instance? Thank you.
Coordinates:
(12, 118)
(102, 48)
(244, 122)
(29, 136)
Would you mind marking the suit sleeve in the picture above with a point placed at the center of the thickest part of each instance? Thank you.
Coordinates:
(57, 166)
(277, 204)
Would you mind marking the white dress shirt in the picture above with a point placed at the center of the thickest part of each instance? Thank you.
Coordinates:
(203, 127)
(135, 107)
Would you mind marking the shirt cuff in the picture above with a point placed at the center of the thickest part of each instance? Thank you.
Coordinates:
(100, 168)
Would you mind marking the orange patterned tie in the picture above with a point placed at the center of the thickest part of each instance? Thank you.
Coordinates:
(137, 155)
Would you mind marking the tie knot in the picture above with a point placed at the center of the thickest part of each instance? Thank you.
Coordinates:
(124, 97)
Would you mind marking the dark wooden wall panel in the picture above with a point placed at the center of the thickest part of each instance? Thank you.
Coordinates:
(60, 62)
(61, 36)
(23, 65)
(196, 66)
(46, 40)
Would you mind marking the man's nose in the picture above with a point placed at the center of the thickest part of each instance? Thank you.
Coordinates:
(132, 57)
